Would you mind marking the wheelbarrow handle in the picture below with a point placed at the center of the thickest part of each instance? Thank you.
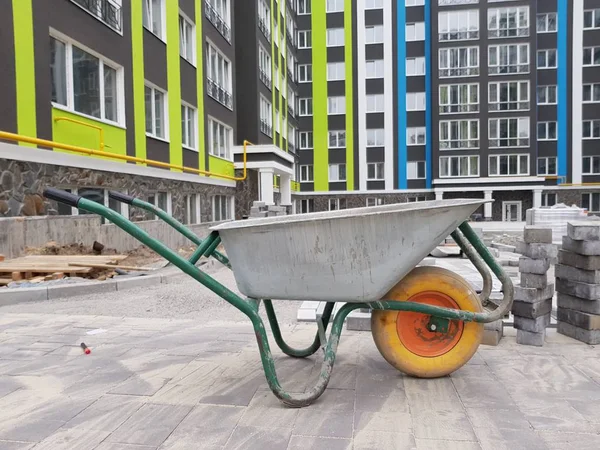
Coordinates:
(120, 197)
(62, 197)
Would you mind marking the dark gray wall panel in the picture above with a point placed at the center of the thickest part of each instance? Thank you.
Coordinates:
(337, 156)
(375, 154)
(373, 51)
(375, 120)
(337, 122)
(191, 159)
(8, 104)
(155, 60)
(157, 150)
(374, 17)
(336, 88)
(375, 86)
(189, 91)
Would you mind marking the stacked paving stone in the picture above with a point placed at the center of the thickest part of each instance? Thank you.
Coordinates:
(533, 297)
(578, 282)
(260, 209)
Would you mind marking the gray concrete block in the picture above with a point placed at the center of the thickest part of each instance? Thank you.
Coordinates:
(359, 321)
(134, 282)
(536, 266)
(532, 280)
(530, 295)
(575, 274)
(259, 214)
(72, 290)
(258, 204)
(537, 251)
(537, 235)
(536, 325)
(580, 290)
(491, 338)
(582, 230)
(532, 310)
(504, 247)
(580, 261)
(533, 339)
(579, 319)
(11, 296)
(591, 337)
(578, 304)
(587, 248)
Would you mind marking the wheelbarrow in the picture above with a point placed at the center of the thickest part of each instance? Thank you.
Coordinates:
(426, 321)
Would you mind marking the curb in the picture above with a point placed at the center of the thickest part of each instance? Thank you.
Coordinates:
(122, 283)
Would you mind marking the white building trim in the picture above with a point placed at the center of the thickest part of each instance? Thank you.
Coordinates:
(361, 73)
(389, 62)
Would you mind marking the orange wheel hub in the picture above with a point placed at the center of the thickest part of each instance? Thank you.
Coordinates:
(414, 329)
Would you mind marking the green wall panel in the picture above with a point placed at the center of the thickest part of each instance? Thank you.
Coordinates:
(320, 118)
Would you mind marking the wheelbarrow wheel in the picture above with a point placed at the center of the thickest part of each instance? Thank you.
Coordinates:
(408, 341)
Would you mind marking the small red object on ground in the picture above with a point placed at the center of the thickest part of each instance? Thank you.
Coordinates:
(85, 349)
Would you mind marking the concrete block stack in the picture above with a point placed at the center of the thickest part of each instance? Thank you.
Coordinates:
(533, 297)
(260, 209)
(578, 282)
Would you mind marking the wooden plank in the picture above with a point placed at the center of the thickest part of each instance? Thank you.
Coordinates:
(5, 281)
(112, 266)
(44, 269)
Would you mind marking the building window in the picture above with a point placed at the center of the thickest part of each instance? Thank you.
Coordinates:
(375, 103)
(161, 200)
(591, 165)
(459, 98)
(334, 6)
(508, 22)
(546, 131)
(591, 93)
(264, 65)
(191, 209)
(220, 139)
(156, 119)
(506, 165)
(307, 205)
(460, 2)
(222, 206)
(416, 136)
(264, 19)
(459, 166)
(375, 137)
(415, 31)
(458, 25)
(375, 69)
(507, 59)
(509, 96)
(415, 66)
(85, 83)
(337, 139)
(189, 126)
(459, 62)
(187, 39)
(306, 106)
(304, 7)
(591, 129)
(153, 14)
(414, 2)
(306, 140)
(337, 172)
(336, 204)
(277, 121)
(546, 166)
(336, 105)
(292, 138)
(591, 19)
(546, 59)
(374, 34)
(307, 174)
(374, 201)
(304, 73)
(373, 4)
(415, 101)
(549, 199)
(459, 134)
(547, 23)
(591, 56)
(266, 117)
(512, 132)
(415, 170)
(218, 70)
(335, 37)
(546, 95)
(336, 71)
(591, 202)
(375, 171)
(304, 39)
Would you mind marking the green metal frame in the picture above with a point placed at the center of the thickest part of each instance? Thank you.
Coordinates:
(465, 237)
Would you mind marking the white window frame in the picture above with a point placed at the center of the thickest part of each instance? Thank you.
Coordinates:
(375, 136)
(305, 138)
(416, 101)
(336, 204)
(102, 61)
(162, 34)
(594, 13)
(165, 109)
(228, 156)
(307, 205)
(412, 170)
(375, 103)
(456, 138)
(546, 198)
(183, 42)
(521, 171)
(594, 52)
(594, 93)
(266, 115)
(547, 52)
(304, 7)
(544, 131)
(415, 31)
(592, 199)
(447, 56)
(335, 37)
(305, 73)
(521, 29)
(168, 200)
(593, 161)
(459, 108)
(547, 89)
(265, 65)
(375, 171)
(522, 139)
(546, 23)
(408, 3)
(304, 39)
(503, 67)
(264, 15)
(307, 173)
(188, 109)
(305, 107)
(468, 20)
(415, 67)
(546, 161)
(335, 177)
(337, 138)
(188, 217)
(416, 136)
(336, 105)
(336, 71)
(228, 84)
(374, 34)
(521, 104)
(446, 163)
(374, 201)
(375, 69)
(594, 126)
(230, 207)
(332, 6)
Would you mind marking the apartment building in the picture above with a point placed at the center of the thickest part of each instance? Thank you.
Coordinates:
(150, 79)
(440, 99)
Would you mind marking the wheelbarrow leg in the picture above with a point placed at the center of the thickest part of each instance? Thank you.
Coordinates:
(285, 348)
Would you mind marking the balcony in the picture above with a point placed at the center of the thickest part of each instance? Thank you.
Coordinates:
(291, 148)
(264, 28)
(291, 111)
(266, 128)
(103, 10)
(213, 16)
(265, 78)
(219, 94)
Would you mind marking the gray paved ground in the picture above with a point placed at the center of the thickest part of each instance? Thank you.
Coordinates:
(169, 383)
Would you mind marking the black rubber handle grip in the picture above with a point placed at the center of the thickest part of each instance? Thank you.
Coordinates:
(61, 196)
(120, 197)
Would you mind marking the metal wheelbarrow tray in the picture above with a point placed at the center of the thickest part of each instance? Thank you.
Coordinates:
(426, 321)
